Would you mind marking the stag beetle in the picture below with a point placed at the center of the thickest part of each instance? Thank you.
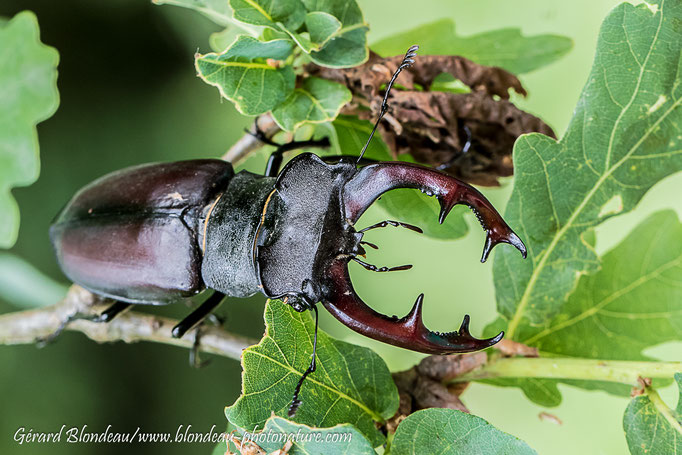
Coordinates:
(159, 233)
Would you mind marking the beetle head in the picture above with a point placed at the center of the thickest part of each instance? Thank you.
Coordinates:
(307, 237)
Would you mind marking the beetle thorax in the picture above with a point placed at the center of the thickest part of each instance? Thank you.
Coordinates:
(303, 229)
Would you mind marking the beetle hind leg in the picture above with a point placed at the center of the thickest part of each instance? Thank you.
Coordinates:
(111, 312)
(105, 316)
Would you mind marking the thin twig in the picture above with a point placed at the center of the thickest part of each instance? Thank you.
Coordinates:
(26, 327)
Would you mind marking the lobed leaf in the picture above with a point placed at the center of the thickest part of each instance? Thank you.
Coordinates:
(624, 137)
(448, 431)
(28, 95)
(315, 101)
(651, 427)
(248, 74)
(322, 27)
(632, 303)
(506, 48)
(351, 384)
(288, 14)
(347, 45)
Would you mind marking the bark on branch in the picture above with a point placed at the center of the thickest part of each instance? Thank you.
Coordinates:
(27, 327)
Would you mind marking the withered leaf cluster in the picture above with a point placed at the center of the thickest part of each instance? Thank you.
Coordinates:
(423, 386)
(434, 126)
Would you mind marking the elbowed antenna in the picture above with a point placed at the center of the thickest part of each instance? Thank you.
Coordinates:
(407, 61)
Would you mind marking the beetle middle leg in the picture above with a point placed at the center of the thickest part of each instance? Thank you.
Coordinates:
(198, 315)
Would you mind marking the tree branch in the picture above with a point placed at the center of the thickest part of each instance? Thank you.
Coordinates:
(26, 327)
(622, 371)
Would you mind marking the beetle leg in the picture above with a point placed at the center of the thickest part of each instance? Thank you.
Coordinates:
(395, 224)
(106, 316)
(198, 315)
(111, 312)
(464, 151)
(372, 181)
(408, 332)
(374, 268)
(194, 360)
(295, 402)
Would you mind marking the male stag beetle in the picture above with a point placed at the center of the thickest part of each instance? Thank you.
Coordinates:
(159, 233)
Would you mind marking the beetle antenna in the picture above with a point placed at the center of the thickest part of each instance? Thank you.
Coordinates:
(408, 60)
(295, 402)
(374, 268)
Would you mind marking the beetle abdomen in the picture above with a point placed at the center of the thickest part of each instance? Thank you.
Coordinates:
(132, 234)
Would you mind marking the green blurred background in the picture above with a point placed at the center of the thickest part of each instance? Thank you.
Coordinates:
(129, 95)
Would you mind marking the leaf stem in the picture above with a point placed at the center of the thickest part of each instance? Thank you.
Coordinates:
(663, 408)
(621, 371)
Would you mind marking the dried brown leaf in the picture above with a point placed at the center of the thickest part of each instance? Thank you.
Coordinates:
(418, 391)
(368, 79)
(431, 125)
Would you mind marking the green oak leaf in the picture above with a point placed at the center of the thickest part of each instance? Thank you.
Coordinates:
(624, 137)
(288, 14)
(243, 75)
(448, 431)
(322, 27)
(218, 11)
(409, 206)
(219, 41)
(506, 48)
(28, 95)
(351, 384)
(349, 134)
(315, 101)
(651, 427)
(605, 318)
(345, 47)
(632, 303)
(340, 439)
(540, 391)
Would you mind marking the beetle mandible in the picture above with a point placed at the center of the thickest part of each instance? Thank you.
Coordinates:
(159, 233)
